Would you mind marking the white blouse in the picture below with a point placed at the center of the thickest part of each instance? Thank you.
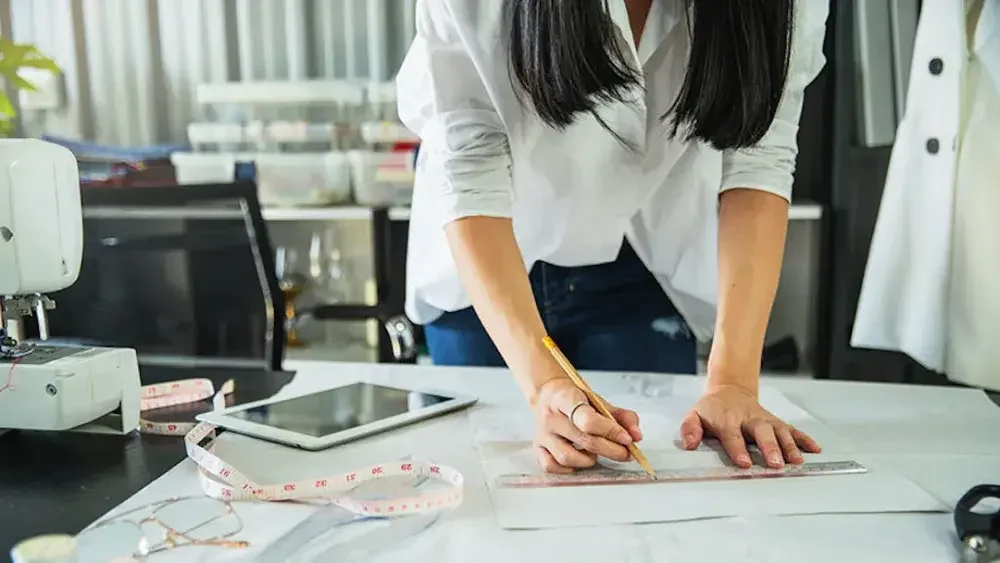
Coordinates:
(574, 194)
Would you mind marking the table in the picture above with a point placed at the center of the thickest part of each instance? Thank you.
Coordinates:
(944, 439)
(60, 482)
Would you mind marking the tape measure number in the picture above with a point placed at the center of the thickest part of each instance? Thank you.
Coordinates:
(606, 476)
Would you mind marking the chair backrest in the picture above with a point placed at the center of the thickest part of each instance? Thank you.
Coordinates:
(185, 275)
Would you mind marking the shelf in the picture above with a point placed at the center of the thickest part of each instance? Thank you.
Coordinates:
(282, 92)
(343, 213)
(797, 212)
(346, 213)
(333, 352)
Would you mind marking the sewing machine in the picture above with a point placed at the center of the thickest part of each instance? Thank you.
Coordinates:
(46, 387)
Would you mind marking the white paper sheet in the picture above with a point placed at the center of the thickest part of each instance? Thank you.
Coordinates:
(953, 421)
(503, 434)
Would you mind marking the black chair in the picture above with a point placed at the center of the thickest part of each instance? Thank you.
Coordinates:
(183, 274)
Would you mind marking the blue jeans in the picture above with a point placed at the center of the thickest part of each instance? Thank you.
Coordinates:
(608, 317)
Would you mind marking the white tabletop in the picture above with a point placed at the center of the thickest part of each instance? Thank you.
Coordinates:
(945, 440)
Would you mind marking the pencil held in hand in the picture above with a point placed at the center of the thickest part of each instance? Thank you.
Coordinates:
(595, 400)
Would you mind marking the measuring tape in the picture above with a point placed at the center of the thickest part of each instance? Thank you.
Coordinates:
(221, 480)
(175, 393)
(605, 476)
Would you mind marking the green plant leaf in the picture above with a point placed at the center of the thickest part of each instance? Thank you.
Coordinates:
(42, 63)
(6, 108)
(22, 84)
(11, 55)
(14, 56)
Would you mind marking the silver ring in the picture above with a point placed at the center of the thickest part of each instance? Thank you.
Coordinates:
(573, 411)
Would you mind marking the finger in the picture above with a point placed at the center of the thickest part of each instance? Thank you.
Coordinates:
(691, 431)
(806, 442)
(588, 420)
(558, 425)
(788, 445)
(549, 463)
(565, 454)
(629, 420)
(587, 436)
(736, 447)
(763, 435)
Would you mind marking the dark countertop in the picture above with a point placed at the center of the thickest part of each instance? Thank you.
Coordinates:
(59, 482)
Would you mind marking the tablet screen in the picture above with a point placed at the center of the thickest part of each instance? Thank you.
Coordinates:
(336, 410)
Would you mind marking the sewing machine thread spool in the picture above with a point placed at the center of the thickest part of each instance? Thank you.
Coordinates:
(52, 548)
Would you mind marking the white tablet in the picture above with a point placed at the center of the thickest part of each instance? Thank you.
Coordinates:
(335, 416)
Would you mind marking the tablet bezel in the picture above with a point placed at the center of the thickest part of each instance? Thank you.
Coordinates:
(222, 419)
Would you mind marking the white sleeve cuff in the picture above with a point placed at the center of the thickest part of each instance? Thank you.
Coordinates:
(467, 154)
(770, 166)
(483, 205)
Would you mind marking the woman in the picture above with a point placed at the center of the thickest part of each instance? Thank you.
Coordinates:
(632, 155)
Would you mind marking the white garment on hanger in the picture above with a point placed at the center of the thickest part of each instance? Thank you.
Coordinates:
(929, 289)
(972, 349)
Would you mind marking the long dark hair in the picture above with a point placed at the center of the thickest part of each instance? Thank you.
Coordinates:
(565, 60)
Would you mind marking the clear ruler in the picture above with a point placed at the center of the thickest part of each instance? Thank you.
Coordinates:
(604, 476)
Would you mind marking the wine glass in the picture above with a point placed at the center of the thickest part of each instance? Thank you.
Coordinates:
(326, 265)
(292, 284)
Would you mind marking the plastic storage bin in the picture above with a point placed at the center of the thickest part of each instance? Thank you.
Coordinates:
(204, 168)
(218, 134)
(382, 179)
(301, 179)
(387, 133)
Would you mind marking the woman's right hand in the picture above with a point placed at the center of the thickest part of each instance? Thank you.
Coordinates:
(563, 445)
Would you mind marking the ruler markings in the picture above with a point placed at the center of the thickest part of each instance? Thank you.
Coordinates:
(606, 476)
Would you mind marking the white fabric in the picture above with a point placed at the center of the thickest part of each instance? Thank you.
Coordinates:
(574, 194)
(972, 356)
(941, 439)
(929, 286)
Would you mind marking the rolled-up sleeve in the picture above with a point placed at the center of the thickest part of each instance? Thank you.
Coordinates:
(770, 165)
(443, 99)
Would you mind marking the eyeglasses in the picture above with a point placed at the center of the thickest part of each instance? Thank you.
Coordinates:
(169, 524)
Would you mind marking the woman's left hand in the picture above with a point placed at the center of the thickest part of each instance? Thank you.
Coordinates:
(734, 416)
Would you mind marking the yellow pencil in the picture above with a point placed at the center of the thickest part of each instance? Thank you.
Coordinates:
(594, 398)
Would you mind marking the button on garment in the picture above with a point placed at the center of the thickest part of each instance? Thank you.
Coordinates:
(574, 194)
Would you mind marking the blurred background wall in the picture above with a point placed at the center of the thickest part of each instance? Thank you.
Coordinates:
(131, 66)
